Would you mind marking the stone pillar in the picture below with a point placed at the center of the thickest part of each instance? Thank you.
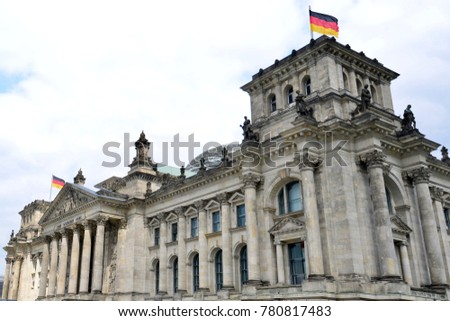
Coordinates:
(404, 258)
(420, 177)
(383, 230)
(314, 243)
(279, 95)
(53, 267)
(74, 260)
(98, 255)
(63, 256)
(85, 259)
(163, 255)
(352, 83)
(181, 251)
(120, 282)
(254, 272)
(280, 262)
(203, 247)
(6, 279)
(44, 269)
(16, 277)
(226, 241)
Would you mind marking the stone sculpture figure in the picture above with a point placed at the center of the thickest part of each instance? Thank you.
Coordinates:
(445, 157)
(302, 109)
(409, 121)
(365, 98)
(248, 133)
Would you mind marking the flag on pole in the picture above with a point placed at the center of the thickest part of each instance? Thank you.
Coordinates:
(57, 182)
(323, 23)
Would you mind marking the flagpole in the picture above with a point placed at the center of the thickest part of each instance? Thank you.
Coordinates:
(51, 185)
(312, 35)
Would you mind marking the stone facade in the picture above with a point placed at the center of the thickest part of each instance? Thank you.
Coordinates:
(335, 205)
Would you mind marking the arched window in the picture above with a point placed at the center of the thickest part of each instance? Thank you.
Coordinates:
(195, 273)
(219, 270)
(175, 275)
(373, 92)
(157, 277)
(307, 86)
(289, 95)
(296, 262)
(389, 201)
(358, 87)
(272, 103)
(346, 85)
(243, 265)
(290, 198)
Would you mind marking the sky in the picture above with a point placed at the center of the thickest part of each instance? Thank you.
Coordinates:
(76, 76)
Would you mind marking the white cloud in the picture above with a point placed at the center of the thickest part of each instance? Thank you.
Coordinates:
(91, 71)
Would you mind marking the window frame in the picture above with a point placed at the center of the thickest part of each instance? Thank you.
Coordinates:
(196, 273)
(240, 216)
(194, 228)
(156, 236)
(218, 264)
(243, 265)
(285, 201)
(293, 277)
(174, 231)
(216, 221)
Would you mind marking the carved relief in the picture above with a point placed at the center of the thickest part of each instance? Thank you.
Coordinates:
(420, 175)
(373, 159)
(251, 180)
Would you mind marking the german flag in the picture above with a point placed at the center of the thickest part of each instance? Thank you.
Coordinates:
(57, 182)
(323, 23)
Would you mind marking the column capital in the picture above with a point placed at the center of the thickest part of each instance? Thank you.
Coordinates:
(404, 243)
(308, 161)
(179, 211)
(63, 233)
(47, 239)
(75, 228)
(251, 180)
(419, 175)
(373, 159)
(277, 242)
(123, 224)
(101, 219)
(222, 198)
(18, 257)
(86, 224)
(200, 205)
(8, 260)
(437, 193)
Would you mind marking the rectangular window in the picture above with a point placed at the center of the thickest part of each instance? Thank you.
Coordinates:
(174, 232)
(156, 238)
(216, 221)
(240, 215)
(447, 218)
(194, 227)
(296, 262)
(294, 197)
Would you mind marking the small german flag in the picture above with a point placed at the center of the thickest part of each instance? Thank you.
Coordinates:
(57, 182)
(323, 23)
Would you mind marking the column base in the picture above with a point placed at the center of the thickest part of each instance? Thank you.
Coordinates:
(438, 286)
(390, 278)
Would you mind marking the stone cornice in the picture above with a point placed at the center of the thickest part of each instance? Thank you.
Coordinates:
(192, 183)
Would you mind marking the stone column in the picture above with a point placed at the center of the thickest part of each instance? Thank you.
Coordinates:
(383, 230)
(280, 262)
(6, 279)
(16, 277)
(254, 272)
(203, 247)
(280, 99)
(420, 177)
(314, 243)
(98, 255)
(352, 83)
(44, 269)
(119, 281)
(85, 258)
(181, 251)
(74, 260)
(53, 267)
(163, 255)
(63, 256)
(226, 241)
(407, 276)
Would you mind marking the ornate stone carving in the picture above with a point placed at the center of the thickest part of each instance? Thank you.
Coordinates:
(420, 175)
(79, 179)
(8, 260)
(445, 157)
(308, 161)
(222, 197)
(86, 225)
(408, 123)
(303, 111)
(437, 193)
(71, 201)
(123, 223)
(374, 158)
(101, 220)
(251, 180)
(18, 258)
(142, 146)
(248, 133)
(200, 205)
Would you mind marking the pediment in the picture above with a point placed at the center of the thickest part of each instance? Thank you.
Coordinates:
(287, 225)
(68, 200)
(171, 217)
(399, 226)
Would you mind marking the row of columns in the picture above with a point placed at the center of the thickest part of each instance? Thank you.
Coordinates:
(250, 183)
(375, 163)
(56, 273)
(13, 268)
